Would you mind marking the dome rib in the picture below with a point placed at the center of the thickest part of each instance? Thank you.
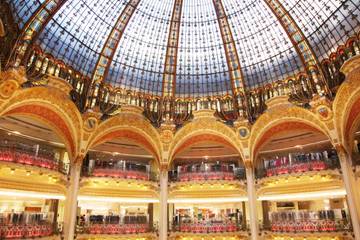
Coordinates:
(33, 27)
(308, 58)
(236, 76)
(107, 53)
(169, 78)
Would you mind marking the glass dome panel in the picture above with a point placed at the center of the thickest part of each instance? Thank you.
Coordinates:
(23, 10)
(325, 23)
(202, 69)
(140, 57)
(265, 51)
(78, 31)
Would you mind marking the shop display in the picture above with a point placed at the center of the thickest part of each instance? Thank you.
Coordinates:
(308, 221)
(300, 162)
(206, 171)
(25, 225)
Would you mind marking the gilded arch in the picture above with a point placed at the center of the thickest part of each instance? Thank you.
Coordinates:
(48, 105)
(347, 103)
(203, 129)
(280, 118)
(130, 126)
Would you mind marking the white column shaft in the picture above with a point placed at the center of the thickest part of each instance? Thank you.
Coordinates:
(163, 205)
(71, 202)
(349, 180)
(254, 223)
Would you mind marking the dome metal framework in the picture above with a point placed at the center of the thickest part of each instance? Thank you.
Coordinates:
(183, 51)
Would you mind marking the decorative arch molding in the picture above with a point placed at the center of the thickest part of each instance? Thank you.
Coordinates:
(50, 106)
(282, 118)
(131, 126)
(346, 104)
(204, 129)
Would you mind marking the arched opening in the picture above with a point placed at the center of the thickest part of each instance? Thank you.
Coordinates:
(121, 169)
(290, 157)
(34, 165)
(204, 165)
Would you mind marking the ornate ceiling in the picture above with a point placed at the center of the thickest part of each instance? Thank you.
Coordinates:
(190, 48)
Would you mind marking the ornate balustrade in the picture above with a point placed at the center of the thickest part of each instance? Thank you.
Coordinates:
(210, 227)
(117, 228)
(300, 88)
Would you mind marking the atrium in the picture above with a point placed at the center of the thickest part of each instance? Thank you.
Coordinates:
(180, 119)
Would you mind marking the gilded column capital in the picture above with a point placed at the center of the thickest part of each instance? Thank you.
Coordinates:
(163, 167)
(77, 160)
(340, 149)
(248, 164)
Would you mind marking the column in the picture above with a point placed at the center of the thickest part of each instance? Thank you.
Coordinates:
(71, 201)
(349, 180)
(251, 191)
(151, 215)
(163, 204)
(266, 210)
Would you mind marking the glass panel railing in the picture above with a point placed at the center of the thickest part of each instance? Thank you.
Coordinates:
(309, 221)
(221, 172)
(208, 227)
(26, 225)
(299, 163)
(24, 154)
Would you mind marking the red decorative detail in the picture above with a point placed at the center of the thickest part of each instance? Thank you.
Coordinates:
(203, 138)
(49, 116)
(282, 127)
(131, 135)
(353, 115)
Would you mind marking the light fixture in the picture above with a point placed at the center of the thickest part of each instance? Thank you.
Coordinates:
(208, 200)
(117, 199)
(14, 193)
(306, 195)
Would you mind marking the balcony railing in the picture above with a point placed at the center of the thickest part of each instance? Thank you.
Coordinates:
(311, 225)
(298, 167)
(116, 228)
(209, 227)
(17, 154)
(308, 221)
(210, 175)
(122, 174)
(26, 231)
(26, 225)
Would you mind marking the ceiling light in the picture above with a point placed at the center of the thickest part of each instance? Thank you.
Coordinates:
(117, 199)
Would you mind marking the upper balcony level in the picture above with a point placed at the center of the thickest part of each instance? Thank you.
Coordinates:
(119, 170)
(27, 152)
(203, 172)
(298, 163)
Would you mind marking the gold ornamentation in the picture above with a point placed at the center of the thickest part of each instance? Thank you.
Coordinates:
(7, 88)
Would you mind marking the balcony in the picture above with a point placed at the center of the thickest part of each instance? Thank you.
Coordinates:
(115, 226)
(207, 172)
(298, 164)
(17, 153)
(210, 227)
(26, 225)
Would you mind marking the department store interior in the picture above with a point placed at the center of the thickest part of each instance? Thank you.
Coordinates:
(180, 119)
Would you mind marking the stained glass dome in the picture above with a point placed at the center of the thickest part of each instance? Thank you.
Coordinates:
(198, 40)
